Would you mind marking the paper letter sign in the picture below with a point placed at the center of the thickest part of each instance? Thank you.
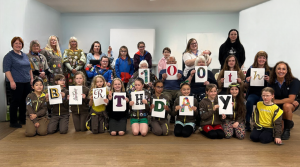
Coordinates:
(201, 74)
(119, 102)
(225, 104)
(99, 94)
(55, 94)
(172, 71)
(137, 98)
(257, 77)
(159, 110)
(75, 97)
(145, 75)
(230, 76)
(186, 103)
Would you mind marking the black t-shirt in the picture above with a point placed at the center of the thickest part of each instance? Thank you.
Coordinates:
(255, 89)
(285, 91)
(116, 115)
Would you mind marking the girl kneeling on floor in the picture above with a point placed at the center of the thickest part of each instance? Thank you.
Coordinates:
(209, 112)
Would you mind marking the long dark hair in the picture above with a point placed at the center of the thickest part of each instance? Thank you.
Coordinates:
(226, 67)
(127, 55)
(92, 48)
(237, 41)
(288, 76)
(239, 101)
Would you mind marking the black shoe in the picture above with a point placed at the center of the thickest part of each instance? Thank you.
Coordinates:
(22, 122)
(291, 124)
(286, 134)
(15, 125)
(248, 127)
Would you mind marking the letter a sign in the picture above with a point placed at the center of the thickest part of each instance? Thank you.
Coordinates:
(119, 102)
(172, 71)
(159, 110)
(54, 94)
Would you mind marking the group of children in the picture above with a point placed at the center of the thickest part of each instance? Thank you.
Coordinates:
(266, 118)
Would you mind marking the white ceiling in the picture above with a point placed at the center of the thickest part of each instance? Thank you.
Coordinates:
(66, 6)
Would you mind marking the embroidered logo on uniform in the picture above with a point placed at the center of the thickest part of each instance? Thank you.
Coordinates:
(288, 88)
(141, 114)
(145, 114)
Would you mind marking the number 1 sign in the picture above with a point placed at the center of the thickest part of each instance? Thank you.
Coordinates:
(145, 75)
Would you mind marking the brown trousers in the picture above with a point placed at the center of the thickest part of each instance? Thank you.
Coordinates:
(79, 121)
(61, 121)
(31, 130)
(160, 127)
(99, 122)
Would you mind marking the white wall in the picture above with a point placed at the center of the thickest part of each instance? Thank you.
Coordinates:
(274, 27)
(28, 19)
(171, 28)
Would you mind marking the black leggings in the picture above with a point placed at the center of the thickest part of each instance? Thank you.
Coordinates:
(184, 131)
(214, 134)
(264, 136)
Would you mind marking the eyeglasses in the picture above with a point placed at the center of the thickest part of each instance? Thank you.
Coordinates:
(123, 51)
(141, 46)
(159, 87)
(104, 61)
(53, 40)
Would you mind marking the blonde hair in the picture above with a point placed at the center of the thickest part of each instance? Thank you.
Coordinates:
(270, 90)
(83, 76)
(48, 46)
(73, 39)
(93, 85)
(112, 85)
(188, 49)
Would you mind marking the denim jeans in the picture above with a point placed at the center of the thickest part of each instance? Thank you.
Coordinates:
(251, 100)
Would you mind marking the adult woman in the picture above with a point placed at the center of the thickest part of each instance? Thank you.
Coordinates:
(232, 46)
(130, 86)
(191, 53)
(163, 61)
(38, 62)
(96, 54)
(53, 55)
(198, 89)
(74, 60)
(142, 54)
(19, 76)
(124, 67)
(286, 87)
(231, 64)
(254, 92)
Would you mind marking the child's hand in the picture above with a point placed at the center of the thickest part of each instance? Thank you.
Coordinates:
(68, 97)
(248, 79)
(107, 83)
(91, 97)
(177, 108)
(109, 95)
(267, 78)
(131, 103)
(47, 97)
(32, 116)
(222, 80)
(127, 100)
(239, 80)
(62, 94)
(206, 83)
(164, 75)
(37, 125)
(151, 107)
(83, 96)
(194, 108)
(235, 125)
(277, 141)
(166, 107)
(150, 84)
(144, 101)
(223, 116)
(179, 76)
(193, 73)
(105, 101)
(215, 107)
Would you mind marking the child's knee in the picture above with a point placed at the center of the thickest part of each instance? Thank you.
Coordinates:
(144, 133)
(30, 133)
(157, 131)
(121, 133)
(113, 133)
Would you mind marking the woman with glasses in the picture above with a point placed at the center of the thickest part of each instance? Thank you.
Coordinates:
(74, 60)
(142, 54)
(191, 53)
(124, 66)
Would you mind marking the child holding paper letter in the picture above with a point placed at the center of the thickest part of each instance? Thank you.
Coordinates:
(235, 124)
(267, 119)
(36, 106)
(103, 69)
(184, 125)
(209, 112)
(117, 120)
(98, 114)
(231, 64)
(80, 112)
(60, 112)
(138, 120)
(160, 126)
